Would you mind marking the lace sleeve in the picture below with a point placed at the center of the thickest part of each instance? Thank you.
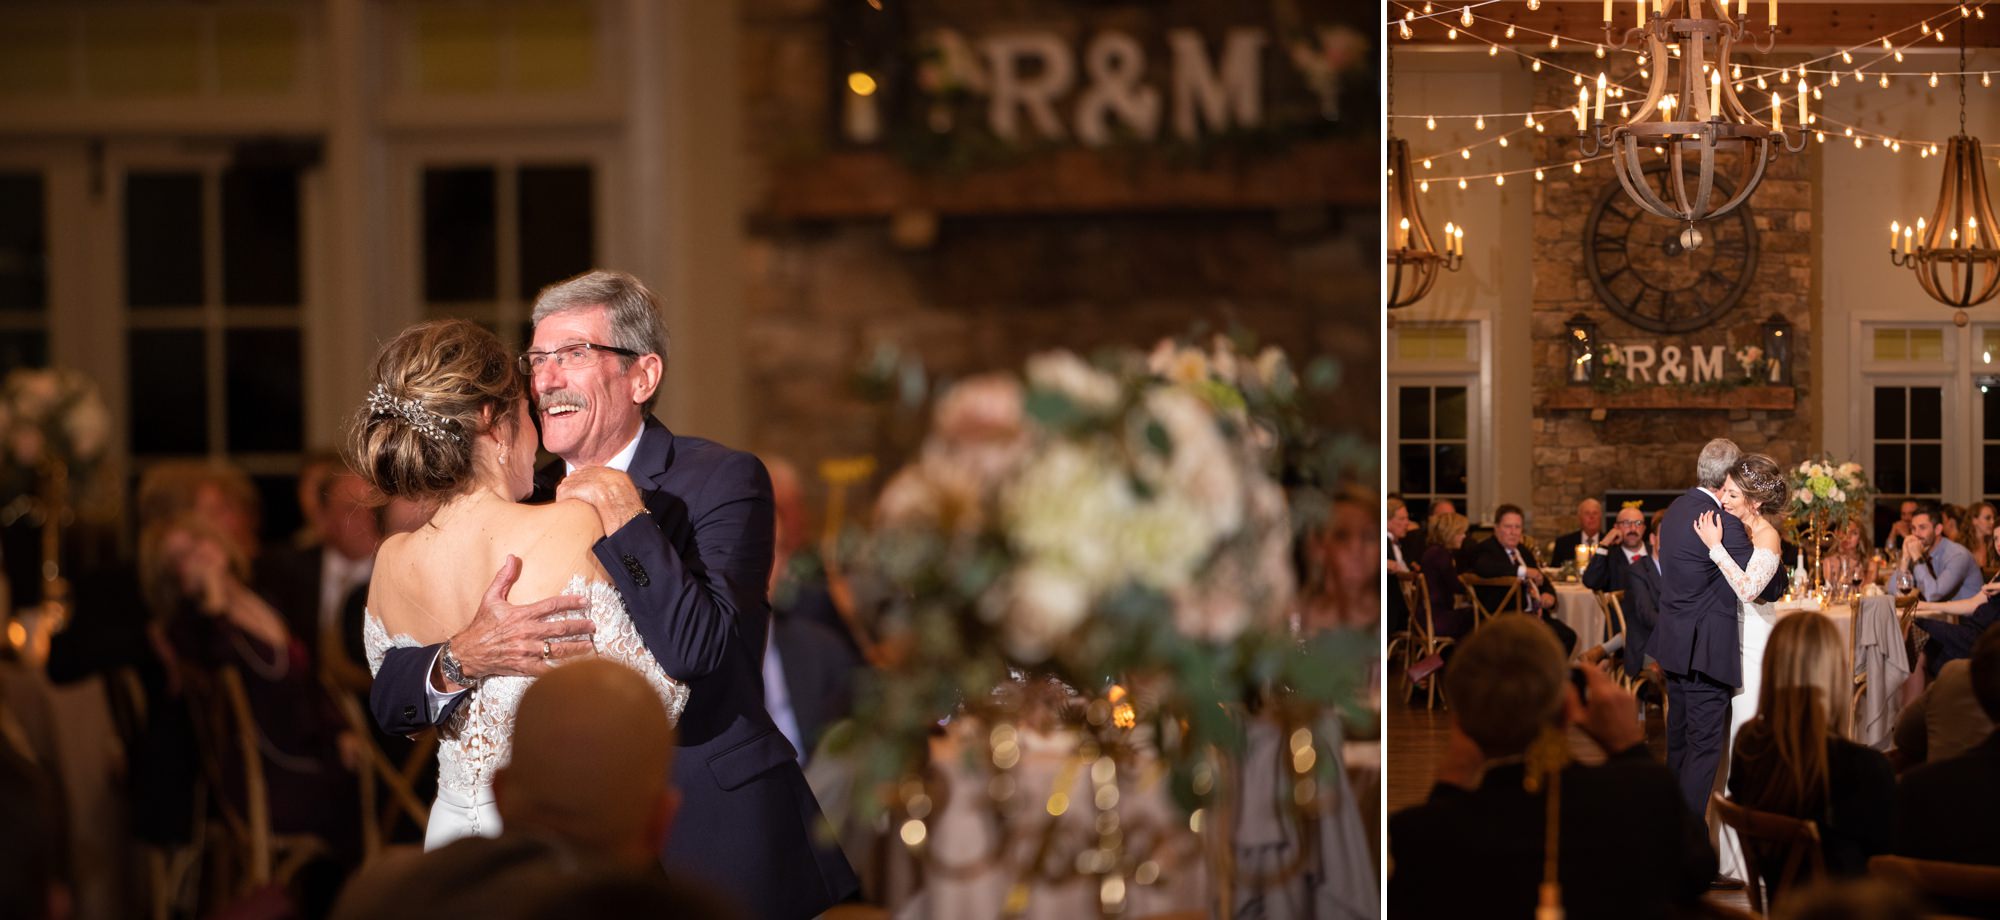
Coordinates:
(1746, 584)
(616, 639)
(376, 640)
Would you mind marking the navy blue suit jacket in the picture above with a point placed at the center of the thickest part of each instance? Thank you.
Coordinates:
(1697, 628)
(1642, 612)
(693, 573)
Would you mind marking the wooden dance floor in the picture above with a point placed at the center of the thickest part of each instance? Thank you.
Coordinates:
(1416, 740)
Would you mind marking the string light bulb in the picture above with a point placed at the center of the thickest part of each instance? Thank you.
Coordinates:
(1510, 30)
(1479, 124)
(1465, 18)
(1431, 122)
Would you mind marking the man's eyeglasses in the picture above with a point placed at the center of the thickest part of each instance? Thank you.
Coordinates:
(568, 357)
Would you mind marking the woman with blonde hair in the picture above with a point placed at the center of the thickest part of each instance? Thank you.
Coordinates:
(1979, 540)
(1794, 758)
(1450, 611)
(1852, 561)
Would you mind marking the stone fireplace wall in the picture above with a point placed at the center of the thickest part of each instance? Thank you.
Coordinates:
(1578, 456)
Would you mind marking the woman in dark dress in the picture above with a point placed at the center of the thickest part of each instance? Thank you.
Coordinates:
(1451, 613)
(1792, 758)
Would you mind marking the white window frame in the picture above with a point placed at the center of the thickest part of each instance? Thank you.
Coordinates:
(1472, 373)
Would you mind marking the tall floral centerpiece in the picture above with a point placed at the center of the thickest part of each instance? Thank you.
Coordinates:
(1825, 496)
(1099, 550)
(53, 427)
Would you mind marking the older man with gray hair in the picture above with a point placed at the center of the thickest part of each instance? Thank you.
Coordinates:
(688, 544)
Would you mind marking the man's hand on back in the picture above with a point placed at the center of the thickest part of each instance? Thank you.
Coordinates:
(609, 491)
(508, 640)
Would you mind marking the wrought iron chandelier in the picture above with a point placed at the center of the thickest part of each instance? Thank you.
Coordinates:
(1953, 256)
(1691, 116)
(1415, 259)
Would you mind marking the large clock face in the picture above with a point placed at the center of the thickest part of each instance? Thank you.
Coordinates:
(1644, 271)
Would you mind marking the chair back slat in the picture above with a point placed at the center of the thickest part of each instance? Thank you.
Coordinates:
(1511, 602)
(1803, 858)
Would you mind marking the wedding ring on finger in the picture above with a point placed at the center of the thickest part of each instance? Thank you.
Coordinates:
(548, 650)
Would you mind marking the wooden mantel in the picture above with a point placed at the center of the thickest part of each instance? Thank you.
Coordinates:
(1778, 399)
(869, 184)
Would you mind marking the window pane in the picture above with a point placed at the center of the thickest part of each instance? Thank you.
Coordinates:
(1889, 477)
(169, 392)
(24, 250)
(1451, 413)
(260, 236)
(1989, 407)
(163, 239)
(1416, 467)
(1926, 469)
(1887, 512)
(557, 235)
(265, 408)
(1927, 344)
(459, 234)
(1413, 408)
(1990, 470)
(23, 348)
(1889, 422)
(1892, 345)
(1926, 412)
(1450, 468)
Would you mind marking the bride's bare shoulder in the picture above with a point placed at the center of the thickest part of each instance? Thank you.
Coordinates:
(554, 542)
(1765, 536)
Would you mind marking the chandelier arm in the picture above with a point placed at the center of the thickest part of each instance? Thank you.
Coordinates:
(1627, 165)
(1707, 183)
(1756, 173)
(1656, 88)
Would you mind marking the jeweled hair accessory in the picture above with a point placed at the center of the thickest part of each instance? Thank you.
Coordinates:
(426, 422)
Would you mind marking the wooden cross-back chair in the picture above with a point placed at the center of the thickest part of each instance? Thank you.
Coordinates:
(1960, 883)
(1511, 602)
(1761, 832)
(1420, 639)
(388, 789)
(243, 850)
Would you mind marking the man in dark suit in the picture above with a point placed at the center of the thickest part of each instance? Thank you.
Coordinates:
(1590, 529)
(1622, 550)
(1476, 847)
(688, 544)
(1397, 563)
(1506, 556)
(1641, 583)
(1696, 638)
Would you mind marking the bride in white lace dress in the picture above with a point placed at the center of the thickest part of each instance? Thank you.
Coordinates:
(1755, 487)
(447, 422)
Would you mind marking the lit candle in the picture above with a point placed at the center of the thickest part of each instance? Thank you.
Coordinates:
(1773, 9)
(1715, 93)
(1458, 240)
(1954, 237)
(1803, 120)
(1972, 231)
(1582, 104)
(1607, 12)
(1600, 95)
(1894, 231)
(1777, 114)
(1922, 240)
(1906, 241)
(1641, 4)
(1742, 8)
(1403, 234)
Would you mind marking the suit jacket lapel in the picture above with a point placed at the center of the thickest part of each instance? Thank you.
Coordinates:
(654, 456)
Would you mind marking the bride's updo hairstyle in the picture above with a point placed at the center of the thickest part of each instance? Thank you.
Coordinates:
(435, 388)
(1762, 482)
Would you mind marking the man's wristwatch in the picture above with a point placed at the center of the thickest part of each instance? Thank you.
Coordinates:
(448, 663)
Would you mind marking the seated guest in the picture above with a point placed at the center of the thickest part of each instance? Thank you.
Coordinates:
(1900, 530)
(1641, 607)
(1852, 562)
(1792, 759)
(1589, 532)
(1944, 722)
(1944, 641)
(1476, 847)
(1948, 809)
(1938, 568)
(1979, 539)
(1506, 556)
(1954, 522)
(810, 656)
(1398, 524)
(1451, 615)
(1606, 571)
(587, 790)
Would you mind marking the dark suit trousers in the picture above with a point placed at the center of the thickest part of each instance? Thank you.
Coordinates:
(1697, 720)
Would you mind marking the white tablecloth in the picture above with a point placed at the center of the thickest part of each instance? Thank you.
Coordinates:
(1577, 606)
(1876, 644)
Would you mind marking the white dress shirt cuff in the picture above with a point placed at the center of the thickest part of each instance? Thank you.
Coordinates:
(437, 699)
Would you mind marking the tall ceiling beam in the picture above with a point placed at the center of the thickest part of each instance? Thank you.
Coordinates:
(1800, 25)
